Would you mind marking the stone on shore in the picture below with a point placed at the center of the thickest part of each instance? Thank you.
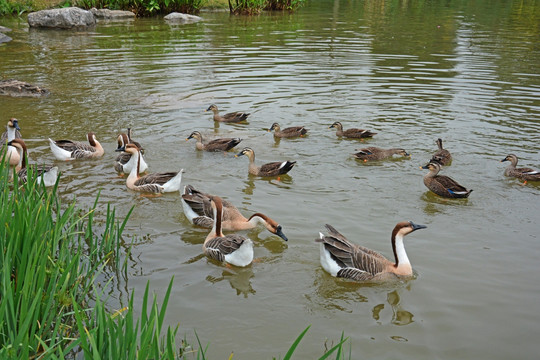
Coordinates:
(107, 14)
(65, 18)
(18, 88)
(182, 18)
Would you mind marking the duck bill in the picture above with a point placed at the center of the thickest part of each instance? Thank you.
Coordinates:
(505, 159)
(281, 235)
(417, 226)
(239, 154)
(122, 148)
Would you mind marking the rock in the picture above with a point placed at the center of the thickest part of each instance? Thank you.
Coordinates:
(182, 18)
(4, 38)
(65, 18)
(4, 29)
(18, 88)
(112, 14)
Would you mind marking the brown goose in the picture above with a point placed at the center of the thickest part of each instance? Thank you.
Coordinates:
(341, 258)
(351, 133)
(229, 117)
(125, 161)
(156, 183)
(71, 150)
(222, 144)
(12, 132)
(376, 153)
(45, 174)
(443, 185)
(198, 210)
(293, 131)
(526, 174)
(233, 249)
(269, 169)
(442, 156)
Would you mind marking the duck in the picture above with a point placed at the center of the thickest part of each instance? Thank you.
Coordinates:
(343, 259)
(293, 131)
(156, 183)
(46, 174)
(443, 185)
(232, 248)
(12, 132)
(229, 117)
(125, 162)
(376, 153)
(269, 169)
(526, 174)
(71, 150)
(442, 156)
(222, 144)
(351, 133)
(198, 210)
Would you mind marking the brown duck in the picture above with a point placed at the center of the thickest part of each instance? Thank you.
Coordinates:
(222, 144)
(442, 156)
(443, 185)
(351, 133)
(269, 169)
(375, 153)
(290, 132)
(526, 174)
(341, 258)
(229, 117)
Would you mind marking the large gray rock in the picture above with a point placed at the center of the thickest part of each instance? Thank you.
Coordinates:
(4, 38)
(18, 88)
(182, 18)
(107, 14)
(66, 18)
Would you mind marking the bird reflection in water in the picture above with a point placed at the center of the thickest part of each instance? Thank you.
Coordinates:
(399, 315)
(239, 279)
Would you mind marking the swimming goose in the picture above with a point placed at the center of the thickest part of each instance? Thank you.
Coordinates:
(12, 156)
(442, 156)
(47, 174)
(198, 210)
(351, 133)
(526, 174)
(222, 144)
(376, 153)
(125, 162)
(289, 132)
(443, 185)
(12, 132)
(233, 249)
(269, 169)
(71, 150)
(229, 117)
(156, 183)
(341, 258)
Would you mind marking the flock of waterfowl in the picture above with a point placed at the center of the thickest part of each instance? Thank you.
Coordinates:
(338, 256)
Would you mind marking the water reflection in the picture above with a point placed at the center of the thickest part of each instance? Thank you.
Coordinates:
(399, 315)
(238, 278)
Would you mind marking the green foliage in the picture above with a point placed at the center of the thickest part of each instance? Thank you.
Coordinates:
(143, 7)
(9, 7)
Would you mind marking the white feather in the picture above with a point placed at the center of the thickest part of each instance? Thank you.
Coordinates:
(58, 152)
(174, 183)
(243, 256)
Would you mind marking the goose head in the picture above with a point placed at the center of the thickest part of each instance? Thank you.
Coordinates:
(131, 149)
(14, 123)
(270, 225)
(122, 140)
(406, 227)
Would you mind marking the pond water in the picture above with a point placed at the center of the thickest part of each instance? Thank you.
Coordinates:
(467, 72)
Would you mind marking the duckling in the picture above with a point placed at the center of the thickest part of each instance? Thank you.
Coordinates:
(351, 133)
(198, 210)
(233, 249)
(526, 174)
(125, 162)
(222, 144)
(341, 258)
(45, 174)
(12, 132)
(376, 153)
(229, 117)
(156, 183)
(442, 156)
(293, 131)
(443, 185)
(71, 150)
(269, 169)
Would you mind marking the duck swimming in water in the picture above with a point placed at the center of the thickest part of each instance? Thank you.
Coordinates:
(443, 185)
(526, 174)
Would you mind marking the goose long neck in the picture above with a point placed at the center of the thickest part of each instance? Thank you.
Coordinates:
(134, 174)
(218, 213)
(10, 133)
(399, 251)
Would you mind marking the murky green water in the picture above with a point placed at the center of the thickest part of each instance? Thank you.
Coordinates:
(468, 72)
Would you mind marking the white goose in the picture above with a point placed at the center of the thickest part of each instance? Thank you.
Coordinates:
(125, 162)
(233, 249)
(156, 183)
(71, 150)
(46, 174)
(341, 258)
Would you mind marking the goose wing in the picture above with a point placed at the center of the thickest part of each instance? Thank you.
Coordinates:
(218, 247)
(199, 203)
(155, 178)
